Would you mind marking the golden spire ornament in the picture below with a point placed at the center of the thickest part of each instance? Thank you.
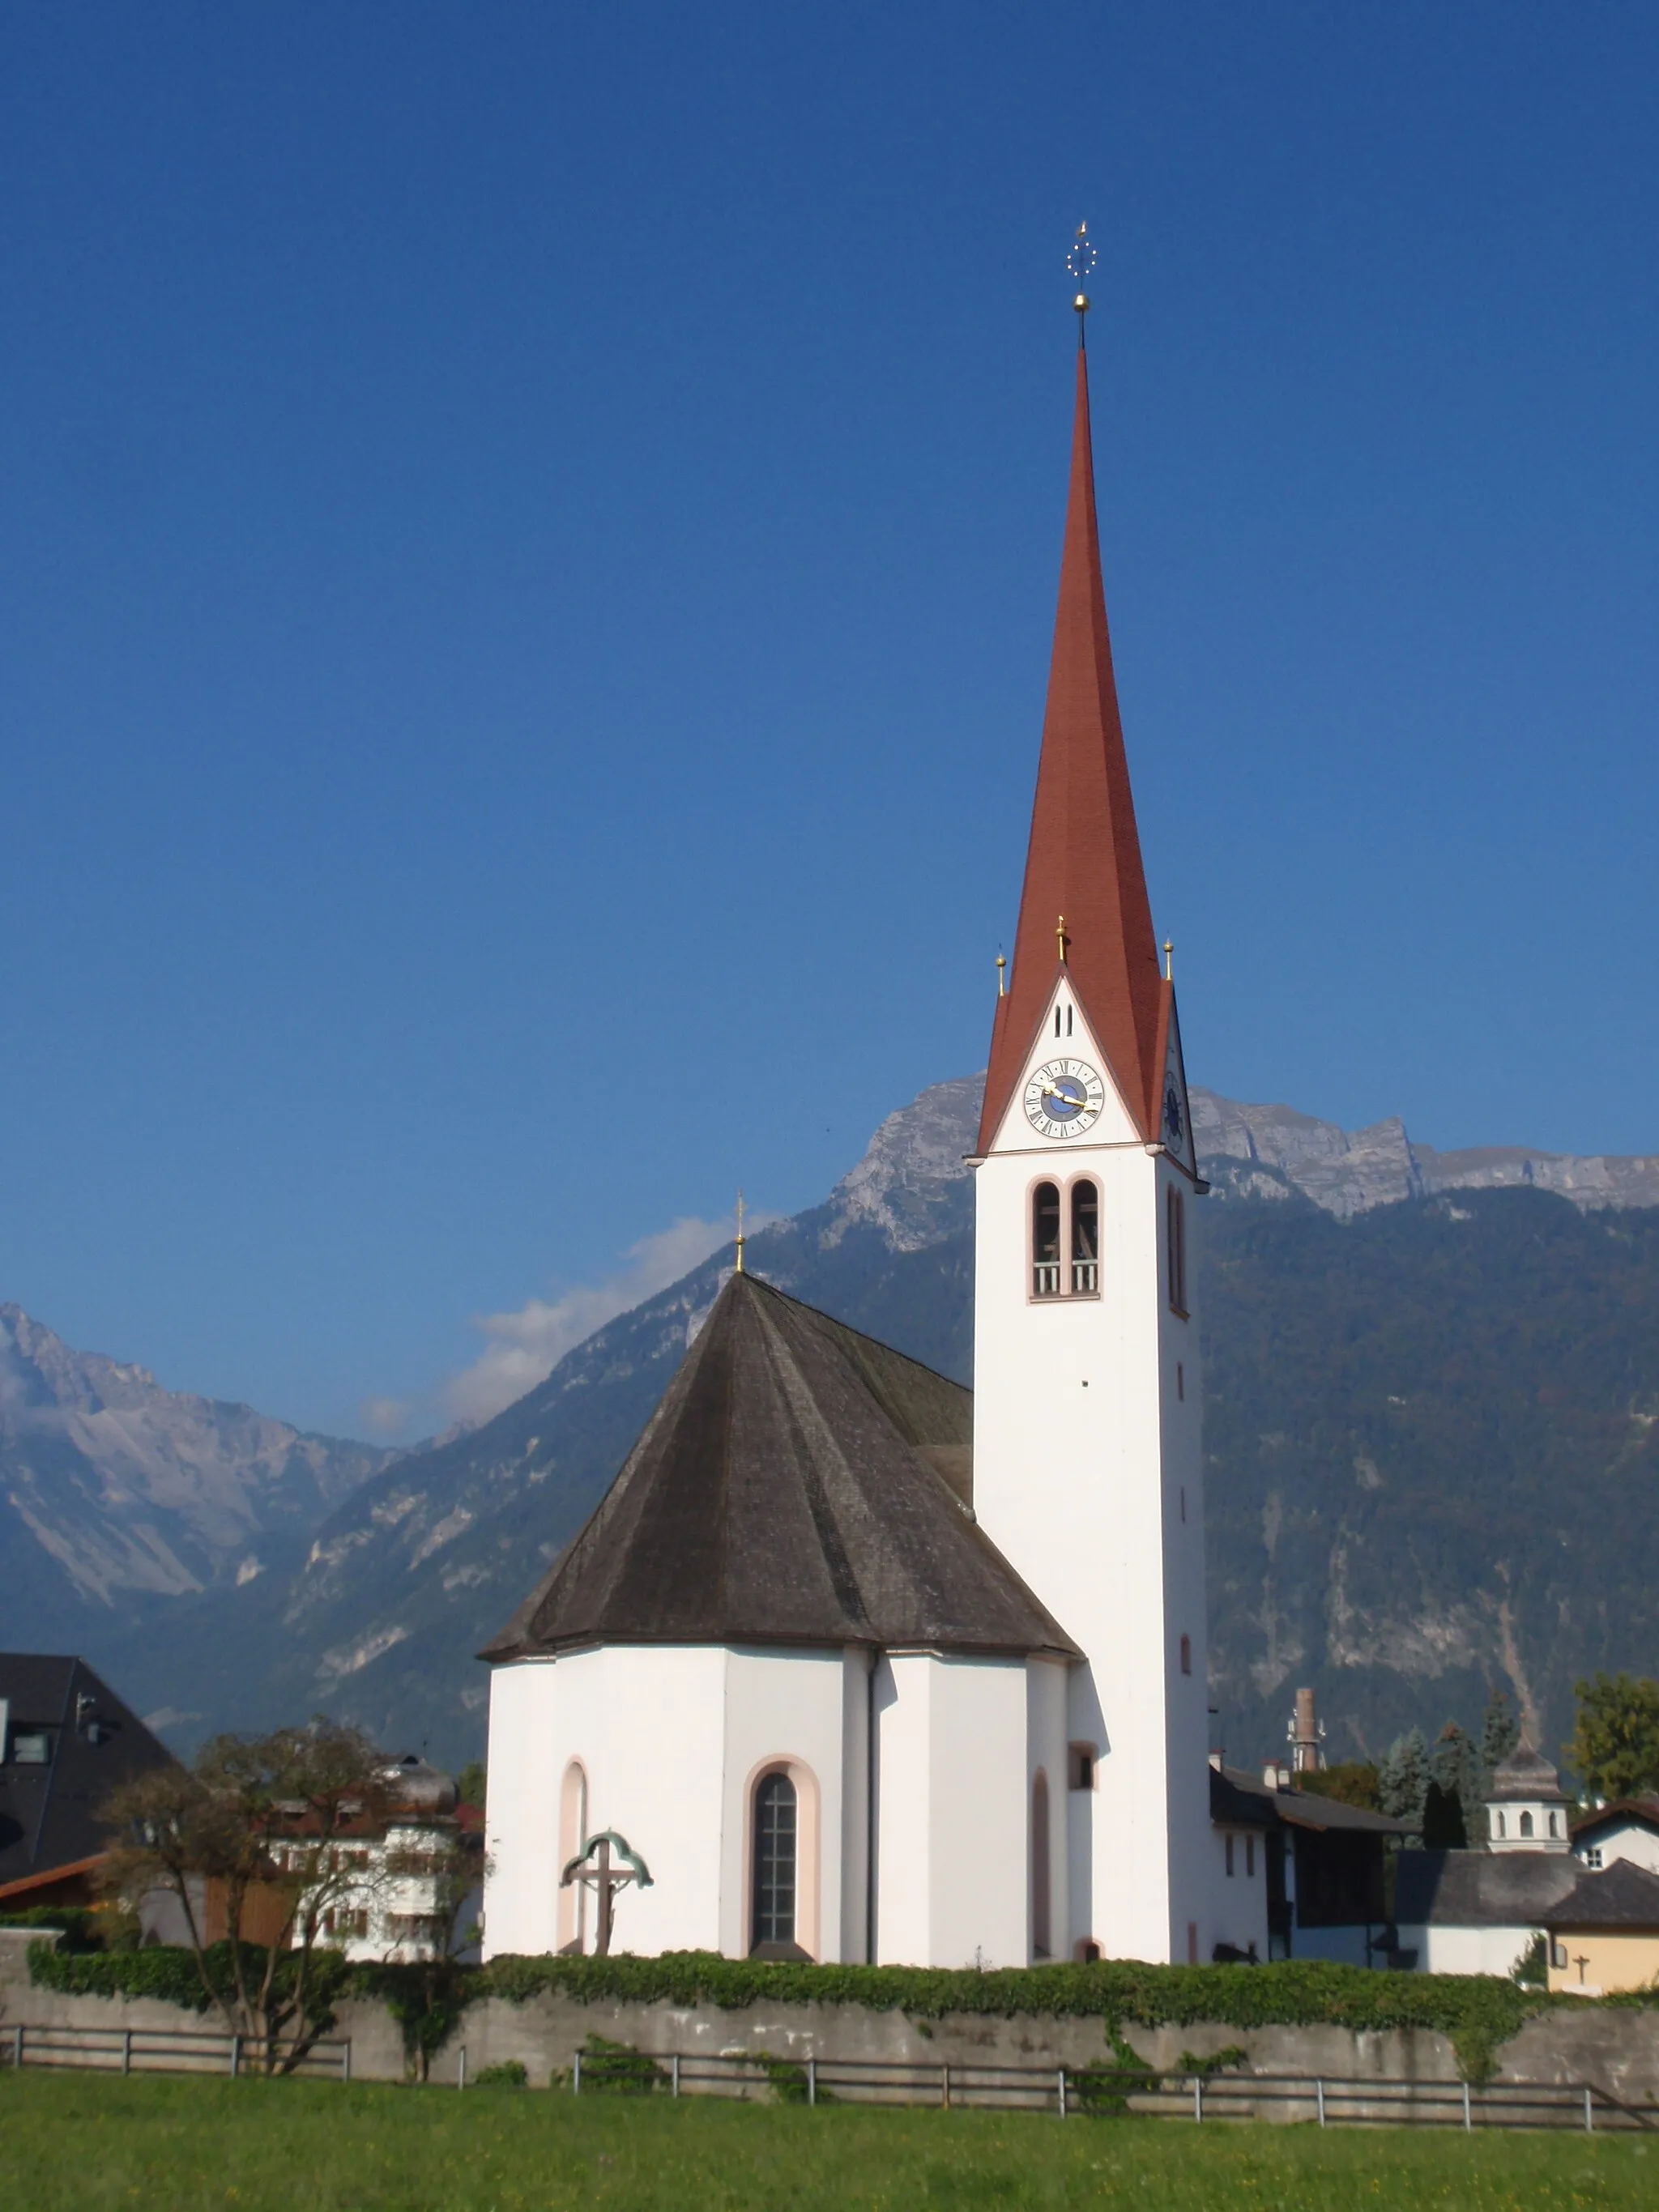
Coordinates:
(1169, 959)
(1061, 939)
(1002, 977)
(741, 1240)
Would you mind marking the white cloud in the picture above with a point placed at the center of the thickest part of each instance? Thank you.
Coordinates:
(384, 1417)
(525, 1346)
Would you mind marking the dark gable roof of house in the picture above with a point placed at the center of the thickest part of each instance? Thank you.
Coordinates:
(49, 1813)
(1623, 1895)
(1618, 1813)
(799, 1484)
(1480, 1889)
(1239, 1798)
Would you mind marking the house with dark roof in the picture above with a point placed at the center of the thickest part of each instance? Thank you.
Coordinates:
(848, 1666)
(1625, 1828)
(1604, 1933)
(1324, 1890)
(66, 1741)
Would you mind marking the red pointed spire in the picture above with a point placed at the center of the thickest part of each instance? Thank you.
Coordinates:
(1083, 860)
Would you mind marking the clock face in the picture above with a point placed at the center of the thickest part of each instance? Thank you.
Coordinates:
(1064, 1098)
(1174, 1122)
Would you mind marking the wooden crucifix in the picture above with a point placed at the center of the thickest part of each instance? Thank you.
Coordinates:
(605, 1863)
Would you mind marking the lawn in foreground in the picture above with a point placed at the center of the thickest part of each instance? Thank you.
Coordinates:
(68, 2141)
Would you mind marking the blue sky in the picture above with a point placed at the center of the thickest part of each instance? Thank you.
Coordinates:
(526, 556)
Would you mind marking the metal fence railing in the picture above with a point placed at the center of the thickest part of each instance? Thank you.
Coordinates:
(1068, 2092)
(159, 2051)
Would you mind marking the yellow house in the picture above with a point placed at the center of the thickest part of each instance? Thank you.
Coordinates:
(1604, 1934)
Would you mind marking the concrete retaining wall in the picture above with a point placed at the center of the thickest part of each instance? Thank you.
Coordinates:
(1615, 2049)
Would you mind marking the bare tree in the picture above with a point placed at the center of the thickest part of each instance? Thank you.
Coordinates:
(271, 1828)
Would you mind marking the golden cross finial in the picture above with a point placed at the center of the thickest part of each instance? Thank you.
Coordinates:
(741, 1240)
(1169, 959)
(1080, 262)
(1061, 939)
(1002, 977)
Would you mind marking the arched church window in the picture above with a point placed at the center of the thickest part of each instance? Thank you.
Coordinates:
(1554, 1824)
(1175, 1224)
(775, 1839)
(1045, 1241)
(1085, 1236)
(1525, 1824)
(573, 1834)
(1041, 1931)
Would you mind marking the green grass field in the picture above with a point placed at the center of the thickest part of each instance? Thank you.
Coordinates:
(73, 2140)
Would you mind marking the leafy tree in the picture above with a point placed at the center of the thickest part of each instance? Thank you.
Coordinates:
(428, 1996)
(260, 1826)
(1402, 1779)
(470, 1783)
(1353, 1781)
(1614, 1749)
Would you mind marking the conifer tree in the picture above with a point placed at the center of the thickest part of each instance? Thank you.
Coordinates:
(1402, 1777)
(1500, 1731)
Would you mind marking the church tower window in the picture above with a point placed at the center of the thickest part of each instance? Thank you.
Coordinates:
(775, 1860)
(1042, 1932)
(1525, 1824)
(1045, 1241)
(1177, 1239)
(1185, 1655)
(1085, 1236)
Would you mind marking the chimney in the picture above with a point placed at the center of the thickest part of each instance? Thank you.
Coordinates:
(1306, 1735)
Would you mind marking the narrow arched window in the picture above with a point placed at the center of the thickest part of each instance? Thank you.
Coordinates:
(1041, 1946)
(1525, 1824)
(1555, 1826)
(1176, 1240)
(1085, 1236)
(775, 1860)
(1502, 1828)
(1045, 1241)
(572, 1835)
(1185, 1655)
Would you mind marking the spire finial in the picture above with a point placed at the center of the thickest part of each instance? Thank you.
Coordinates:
(1169, 959)
(741, 1240)
(1061, 939)
(1002, 977)
(1080, 262)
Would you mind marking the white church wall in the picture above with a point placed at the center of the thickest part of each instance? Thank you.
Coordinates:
(786, 1708)
(1442, 1950)
(520, 1911)
(1087, 1433)
(953, 1817)
(1048, 1755)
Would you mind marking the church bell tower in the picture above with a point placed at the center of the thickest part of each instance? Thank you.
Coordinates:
(1088, 1467)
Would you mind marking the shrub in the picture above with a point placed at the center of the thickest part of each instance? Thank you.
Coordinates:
(510, 2074)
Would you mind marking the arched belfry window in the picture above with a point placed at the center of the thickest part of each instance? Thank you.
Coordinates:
(1085, 1236)
(1045, 1241)
(775, 1854)
(1525, 1824)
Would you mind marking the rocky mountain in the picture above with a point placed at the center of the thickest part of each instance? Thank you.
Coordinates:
(1269, 1152)
(1432, 1428)
(113, 1491)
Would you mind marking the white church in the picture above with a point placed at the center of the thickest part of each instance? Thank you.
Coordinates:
(867, 1667)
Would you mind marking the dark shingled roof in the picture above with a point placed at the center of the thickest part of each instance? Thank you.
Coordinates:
(1623, 1895)
(49, 1812)
(1239, 1796)
(1526, 1773)
(1480, 1889)
(799, 1484)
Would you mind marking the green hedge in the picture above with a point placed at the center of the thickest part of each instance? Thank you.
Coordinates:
(170, 1977)
(1478, 2012)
